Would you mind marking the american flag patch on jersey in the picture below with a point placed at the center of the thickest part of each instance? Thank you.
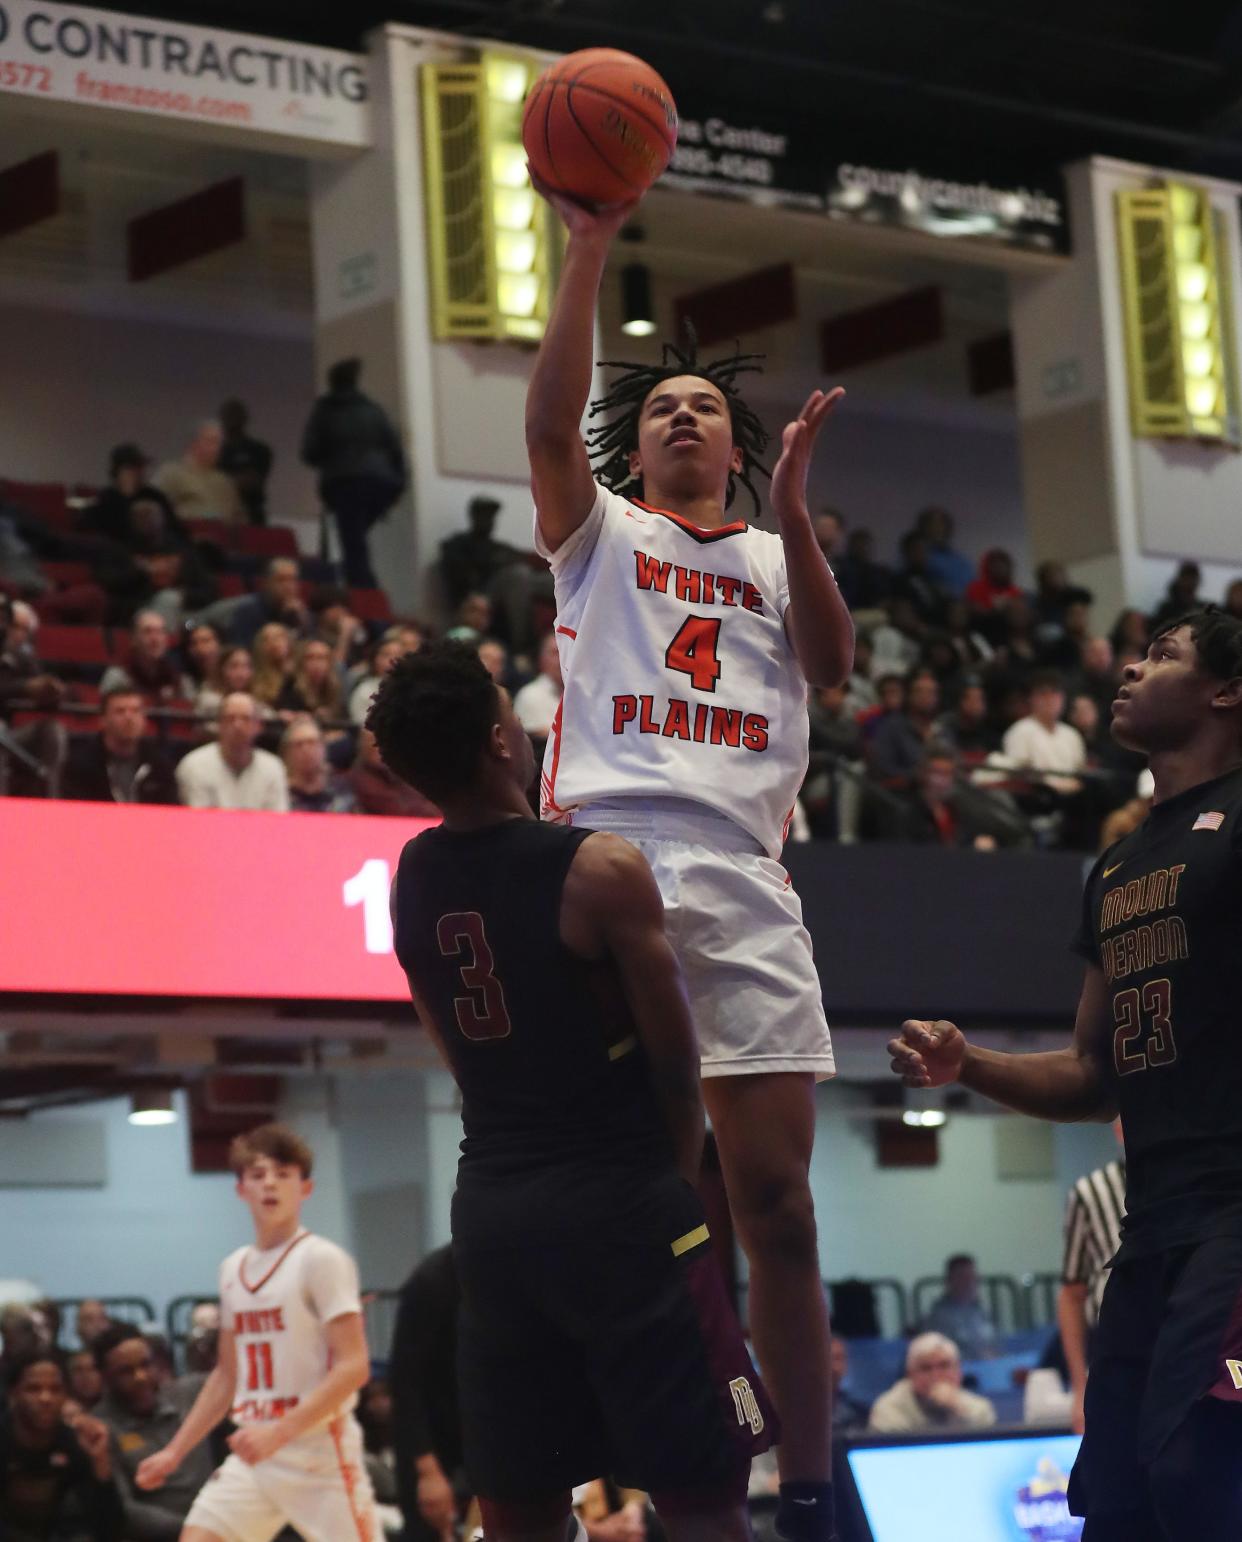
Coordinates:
(1208, 822)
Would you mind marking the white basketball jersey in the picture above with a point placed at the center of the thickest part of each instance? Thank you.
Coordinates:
(277, 1304)
(679, 679)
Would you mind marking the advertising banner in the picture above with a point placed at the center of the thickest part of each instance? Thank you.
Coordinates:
(74, 54)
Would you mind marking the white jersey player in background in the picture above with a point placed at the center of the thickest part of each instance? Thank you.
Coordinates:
(292, 1356)
(687, 640)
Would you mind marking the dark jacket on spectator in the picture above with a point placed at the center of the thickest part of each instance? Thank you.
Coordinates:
(422, 1371)
(89, 776)
(349, 435)
(378, 791)
(967, 813)
(897, 748)
(109, 516)
(252, 614)
(53, 1495)
(159, 1515)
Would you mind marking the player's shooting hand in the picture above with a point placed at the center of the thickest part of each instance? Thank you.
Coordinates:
(256, 1443)
(437, 1503)
(155, 1470)
(585, 221)
(797, 444)
(928, 1054)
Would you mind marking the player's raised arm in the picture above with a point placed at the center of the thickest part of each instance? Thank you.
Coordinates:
(560, 473)
(1065, 1085)
(612, 888)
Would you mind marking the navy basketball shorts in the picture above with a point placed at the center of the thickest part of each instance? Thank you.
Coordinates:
(611, 1350)
(1169, 1335)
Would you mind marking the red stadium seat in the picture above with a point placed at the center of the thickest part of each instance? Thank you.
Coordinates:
(213, 530)
(265, 541)
(231, 586)
(73, 645)
(370, 605)
(66, 574)
(46, 500)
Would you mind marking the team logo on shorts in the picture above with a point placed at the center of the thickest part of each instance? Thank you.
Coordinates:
(1234, 1367)
(745, 1403)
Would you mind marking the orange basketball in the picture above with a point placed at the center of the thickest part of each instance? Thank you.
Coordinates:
(599, 125)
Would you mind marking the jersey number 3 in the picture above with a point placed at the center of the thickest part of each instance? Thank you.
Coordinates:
(483, 1013)
(693, 651)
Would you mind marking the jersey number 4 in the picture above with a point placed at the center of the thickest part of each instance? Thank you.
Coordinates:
(693, 651)
(483, 1013)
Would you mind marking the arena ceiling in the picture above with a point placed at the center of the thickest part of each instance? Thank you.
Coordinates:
(1035, 80)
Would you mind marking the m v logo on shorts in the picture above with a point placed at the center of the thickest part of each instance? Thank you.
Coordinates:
(745, 1404)
(1234, 1367)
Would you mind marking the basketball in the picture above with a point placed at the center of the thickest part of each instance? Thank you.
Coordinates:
(600, 126)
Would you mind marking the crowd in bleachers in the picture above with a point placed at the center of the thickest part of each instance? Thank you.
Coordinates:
(160, 641)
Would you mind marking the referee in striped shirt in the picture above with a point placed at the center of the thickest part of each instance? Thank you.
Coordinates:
(1093, 1216)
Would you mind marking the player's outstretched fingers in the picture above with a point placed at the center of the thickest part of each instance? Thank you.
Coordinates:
(907, 1063)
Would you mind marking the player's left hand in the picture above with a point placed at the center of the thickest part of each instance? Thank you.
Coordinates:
(256, 1443)
(797, 442)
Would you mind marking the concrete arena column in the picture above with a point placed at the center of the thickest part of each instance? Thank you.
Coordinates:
(460, 405)
(1120, 511)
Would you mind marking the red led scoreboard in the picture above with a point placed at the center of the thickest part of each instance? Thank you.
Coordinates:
(99, 900)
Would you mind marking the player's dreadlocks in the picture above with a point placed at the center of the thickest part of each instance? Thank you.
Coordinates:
(609, 444)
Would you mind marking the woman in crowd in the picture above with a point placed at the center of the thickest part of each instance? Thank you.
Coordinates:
(314, 788)
(273, 668)
(234, 672)
(1130, 633)
(384, 655)
(202, 653)
(315, 686)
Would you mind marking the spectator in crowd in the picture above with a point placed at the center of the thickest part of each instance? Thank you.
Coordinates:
(1232, 604)
(831, 793)
(903, 738)
(1097, 675)
(162, 1358)
(890, 698)
(537, 704)
(56, 1483)
(943, 810)
(1054, 594)
(959, 1313)
(155, 568)
(384, 654)
(864, 583)
(195, 485)
(946, 566)
(993, 588)
(377, 791)
(234, 773)
(972, 648)
(914, 581)
(471, 560)
(333, 623)
(313, 786)
(860, 692)
(278, 598)
(1065, 650)
(19, 1335)
(235, 672)
(930, 1396)
(142, 1414)
(427, 1440)
(152, 670)
(1125, 820)
(474, 620)
(32, 756)
(410, 634)
(1092, 1236)
(108, 516)
(1131, 633)
(1181, 596)
(352, 443)
(494, 657)
(273, 667)
(246, 459)
(120, 764)
(897, 642)
(82, 1378)
(315, 685)
(374, 1415)
(90, 1321)
(202, 653)
(1018, 653)
(1042, 742)
(968, 727)
(829, 528)
(940, 656)
(847, 1412)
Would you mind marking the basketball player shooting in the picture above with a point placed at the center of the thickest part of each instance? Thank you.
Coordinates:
(595, 1335)
(1156, 1040)
(292, 1356)
(687, 640)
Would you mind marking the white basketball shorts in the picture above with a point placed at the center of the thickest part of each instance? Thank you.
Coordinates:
(735, 924)
(317, 1484)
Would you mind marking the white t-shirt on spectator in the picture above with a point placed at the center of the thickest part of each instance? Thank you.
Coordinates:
(535, 705)
(1028, 743)
(206, 780)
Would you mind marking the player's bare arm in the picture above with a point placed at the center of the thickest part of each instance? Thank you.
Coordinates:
(560, 473)
(350, 1368)
(1067, 1086)
(611, 904)
(817, 622)
(213, 1403)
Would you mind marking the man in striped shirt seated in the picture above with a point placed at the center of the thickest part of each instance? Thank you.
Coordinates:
(1093, 1216)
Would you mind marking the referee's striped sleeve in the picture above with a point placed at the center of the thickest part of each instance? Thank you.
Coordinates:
(1076, 1264)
